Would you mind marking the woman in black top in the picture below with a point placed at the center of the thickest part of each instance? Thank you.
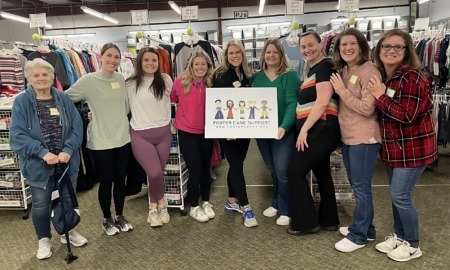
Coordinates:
(234, 72)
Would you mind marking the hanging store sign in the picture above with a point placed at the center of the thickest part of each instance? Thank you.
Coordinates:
(348, 5)
(241, 14)
(189, 13)
(421, 23)
(294, 7)
(235, 113)
(139, 16)
(38, 20)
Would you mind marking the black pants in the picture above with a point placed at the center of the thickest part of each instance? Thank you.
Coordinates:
(235, 153)
(111, 165)
(197, 152)
(316, 158)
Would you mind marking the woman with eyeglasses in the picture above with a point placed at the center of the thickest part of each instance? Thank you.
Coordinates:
(360, 131)
(403, 98)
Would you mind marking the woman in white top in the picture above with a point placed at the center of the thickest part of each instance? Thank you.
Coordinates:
(148, 94)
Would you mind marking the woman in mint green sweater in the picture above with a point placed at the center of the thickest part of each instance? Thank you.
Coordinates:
(277, 152)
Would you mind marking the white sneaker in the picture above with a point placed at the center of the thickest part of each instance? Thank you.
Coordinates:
(283, 220)
(76, 239)
(154, 219)
(198, 214)
(345, 245)
(164, 213)
(270, 212)
(344, 231)
(390, 243)
(207, 209)
(45, 248)
(404, 252)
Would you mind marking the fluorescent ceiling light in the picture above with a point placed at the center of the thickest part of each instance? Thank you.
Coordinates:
(175, 7)
(344, 19)
(366, 18)
(275, 24)
(17, 18)
(261, 6)
(422, 1)
(99, 15)
(68, 35)
(172, 30)
(232, 27)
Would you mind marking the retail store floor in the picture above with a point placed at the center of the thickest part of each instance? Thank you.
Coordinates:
(224, 243)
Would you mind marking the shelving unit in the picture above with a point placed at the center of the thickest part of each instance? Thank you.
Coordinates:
(176, 173)
(15, 193)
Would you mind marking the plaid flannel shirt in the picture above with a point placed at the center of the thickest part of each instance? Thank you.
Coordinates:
(407, 128)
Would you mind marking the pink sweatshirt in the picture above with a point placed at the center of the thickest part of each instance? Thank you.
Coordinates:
(190, 116)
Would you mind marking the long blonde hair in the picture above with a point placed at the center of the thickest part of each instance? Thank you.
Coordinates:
(225, 65)
(188, 73)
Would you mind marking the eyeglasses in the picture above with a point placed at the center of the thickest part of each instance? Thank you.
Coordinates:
(397, 48)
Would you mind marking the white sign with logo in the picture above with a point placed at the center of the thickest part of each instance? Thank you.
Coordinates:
(294, 7)
(139, 16)
(348, 5)
(421, 23)
(241, 112)
(38, 20)
(189, 13)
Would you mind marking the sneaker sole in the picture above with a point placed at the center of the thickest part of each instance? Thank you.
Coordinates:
(384, 250)
(116, 233)
(270, 215)
(414, 256)
(127, 229)
(44, 257)
(250, 226)
(63, 241)
(230, 210)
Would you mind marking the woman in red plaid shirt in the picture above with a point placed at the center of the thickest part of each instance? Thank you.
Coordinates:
(403, 99)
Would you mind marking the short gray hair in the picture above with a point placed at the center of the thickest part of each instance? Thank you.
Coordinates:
(38, 62)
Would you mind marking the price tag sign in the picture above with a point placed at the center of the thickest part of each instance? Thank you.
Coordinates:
(421, 23)
(241, 14)
(348, 5)
(139, 16)
(38, 20)
(189, 13)
(294, 7)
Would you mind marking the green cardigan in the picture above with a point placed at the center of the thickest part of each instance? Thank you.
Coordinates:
(287, 85)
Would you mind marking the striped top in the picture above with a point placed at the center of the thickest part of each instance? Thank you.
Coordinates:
(307, 94)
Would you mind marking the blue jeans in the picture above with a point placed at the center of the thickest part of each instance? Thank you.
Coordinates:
(406, 219)
(360, 161)
(277, 155)
(42, 207)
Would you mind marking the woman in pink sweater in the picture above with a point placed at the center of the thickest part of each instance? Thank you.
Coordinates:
(189, 93)
(360, 132)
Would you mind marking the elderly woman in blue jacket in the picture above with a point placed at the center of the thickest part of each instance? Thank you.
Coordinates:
(45, 130)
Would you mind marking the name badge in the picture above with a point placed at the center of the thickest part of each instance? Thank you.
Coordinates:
(390, 92)
(353, 79)
(237, 84)
(115, 85)
(54, 111)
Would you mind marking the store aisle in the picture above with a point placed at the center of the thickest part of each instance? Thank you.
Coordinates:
(224, 243)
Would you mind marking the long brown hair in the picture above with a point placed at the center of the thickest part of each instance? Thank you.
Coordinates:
(158, 85)
(283, 66)
(364, 54)
(188, 74)
(410, 56)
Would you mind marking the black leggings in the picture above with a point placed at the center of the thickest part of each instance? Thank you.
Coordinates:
(197, 152)
(316, 158)
(235, 153)
(111, 166)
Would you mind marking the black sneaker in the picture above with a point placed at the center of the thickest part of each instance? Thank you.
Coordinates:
(110, 226)
(123, 224)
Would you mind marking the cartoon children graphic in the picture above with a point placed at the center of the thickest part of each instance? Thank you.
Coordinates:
(242, 109)
(230, 107)
(264, 110)
(219, 114)
(252, 107)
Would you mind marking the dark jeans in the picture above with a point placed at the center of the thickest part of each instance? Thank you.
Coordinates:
(316, 158)
(360, 161)
(111, 165)
(276, 155)
(235, 153)
(197, 152)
